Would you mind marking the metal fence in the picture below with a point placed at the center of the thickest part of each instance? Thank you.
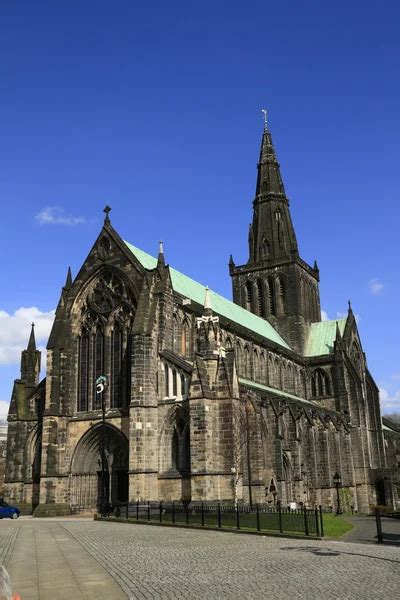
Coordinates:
(259, 517)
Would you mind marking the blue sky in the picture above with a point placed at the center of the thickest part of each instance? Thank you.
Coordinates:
(157, 111)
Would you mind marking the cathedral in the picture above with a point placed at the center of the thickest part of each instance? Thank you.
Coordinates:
(251, 400)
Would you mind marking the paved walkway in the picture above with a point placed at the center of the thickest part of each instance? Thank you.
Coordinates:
(364, 530)
(69, 559)
(45, 562)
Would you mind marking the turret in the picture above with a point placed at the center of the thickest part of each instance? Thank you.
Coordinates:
(30, 361)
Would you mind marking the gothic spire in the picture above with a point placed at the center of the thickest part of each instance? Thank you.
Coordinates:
(32, 341)
(271, 235)
(68, 281)
(269, 180)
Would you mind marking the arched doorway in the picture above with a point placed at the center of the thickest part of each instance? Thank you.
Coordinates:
(85, 477)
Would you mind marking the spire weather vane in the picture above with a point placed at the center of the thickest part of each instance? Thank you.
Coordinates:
(265, 113)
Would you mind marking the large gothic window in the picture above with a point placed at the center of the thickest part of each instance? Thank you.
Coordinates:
(104, 345)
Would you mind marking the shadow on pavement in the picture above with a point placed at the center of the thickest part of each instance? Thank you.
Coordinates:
(332, 553)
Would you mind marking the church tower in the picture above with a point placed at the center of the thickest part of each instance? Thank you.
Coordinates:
(276, 283)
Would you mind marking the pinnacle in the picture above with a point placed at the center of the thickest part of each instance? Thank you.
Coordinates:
(32, 341)
(68, 281)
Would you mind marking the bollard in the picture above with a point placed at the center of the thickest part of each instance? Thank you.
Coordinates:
(305, 520)
(321, 521)
(316, 520)
(280, 517)
(378, 525)
(258, 517)
(202, 514)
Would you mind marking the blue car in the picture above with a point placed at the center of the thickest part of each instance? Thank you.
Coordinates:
(8, 512)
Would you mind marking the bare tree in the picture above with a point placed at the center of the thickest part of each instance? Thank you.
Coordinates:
(239, 439)
(241, 442)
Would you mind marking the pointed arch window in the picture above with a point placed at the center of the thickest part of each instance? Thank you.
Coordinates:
(260, 298)
(185, 339)
(281, 295)
(320, 383)
(83, 372)
(174, 383)
(183, 386)
(175, 333)
(265, 248)
(116, 367)
(166, 381)
(271, 296)
(246, 361)
(249, 295)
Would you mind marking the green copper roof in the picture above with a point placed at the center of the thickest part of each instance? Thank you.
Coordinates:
(386, 428)
(220, 305)
(266, 388)
(322, 336)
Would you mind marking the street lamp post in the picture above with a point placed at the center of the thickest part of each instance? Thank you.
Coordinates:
(101, 386)
(337, 480)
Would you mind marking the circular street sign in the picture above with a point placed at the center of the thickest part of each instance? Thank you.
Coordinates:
(101, 384)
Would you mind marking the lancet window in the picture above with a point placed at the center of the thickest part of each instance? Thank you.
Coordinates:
(260, 298)
(320, 383)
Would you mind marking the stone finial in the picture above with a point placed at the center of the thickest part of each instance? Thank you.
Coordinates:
(207, 299)
(107, 210)
(161, 257)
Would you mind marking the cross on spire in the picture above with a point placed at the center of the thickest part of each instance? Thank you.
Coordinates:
(265, 113)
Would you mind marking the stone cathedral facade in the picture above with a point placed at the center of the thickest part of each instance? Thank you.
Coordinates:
(252, 400)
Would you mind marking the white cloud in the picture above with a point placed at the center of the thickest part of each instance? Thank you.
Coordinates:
(390, 400)
(4, 409)
(54, 215)
(375, 286)
(15, 330)
(324, 315)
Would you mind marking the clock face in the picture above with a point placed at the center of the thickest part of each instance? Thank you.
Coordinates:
(107, 293)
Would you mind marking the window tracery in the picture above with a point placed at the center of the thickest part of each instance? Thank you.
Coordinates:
(104, 344)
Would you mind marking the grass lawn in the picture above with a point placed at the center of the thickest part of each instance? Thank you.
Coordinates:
(335, 527)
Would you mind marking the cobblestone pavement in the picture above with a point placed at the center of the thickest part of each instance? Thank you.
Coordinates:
(156, 562)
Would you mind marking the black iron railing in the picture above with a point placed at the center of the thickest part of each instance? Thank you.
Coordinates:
(259, 517)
